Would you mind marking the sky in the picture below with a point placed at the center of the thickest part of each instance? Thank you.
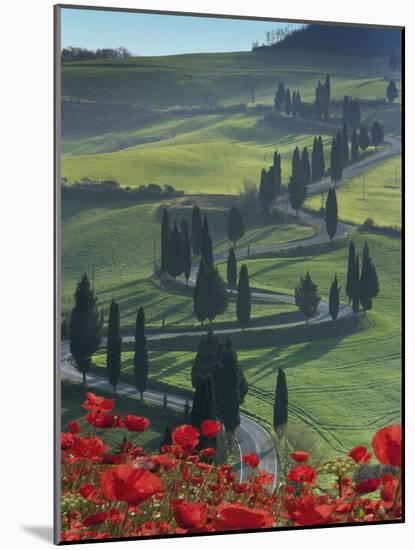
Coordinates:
(154, 34)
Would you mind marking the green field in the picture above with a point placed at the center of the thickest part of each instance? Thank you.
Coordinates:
(325, 376)
(117, 240)
(382, 188)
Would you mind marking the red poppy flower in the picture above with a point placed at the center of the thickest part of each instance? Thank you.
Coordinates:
(89, 492)
(237, 516)
(367, 485)
(300, 456)
(129, 484)
(96, 403)
(189, 515)
(264, 477)
(74, 427)
(67, 441)
(186, 437)
(136, 423)
(210, 428)
(251, 459)
(240, 488)
(208, 452)
(307, 511)
(104, 420)
(303, 473)
(95, 519)
(89, 448)
(360, 454)
(387, 444)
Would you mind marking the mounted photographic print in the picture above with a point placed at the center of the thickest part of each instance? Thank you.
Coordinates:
(228, 226)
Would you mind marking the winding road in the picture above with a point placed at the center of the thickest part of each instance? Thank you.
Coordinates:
(251, 436)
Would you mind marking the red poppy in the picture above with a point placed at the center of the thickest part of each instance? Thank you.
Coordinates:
(89, 448)
(95, 519)
(303, 473)
(210, 428)
(360, 454)
(186, 437)
(300, 456)
(67, 441)
(129, 484)
(308, 511)
(237, 516)
(240, 488)
(104, 420)
(189, 515)
(74, 427)
(97, 403)
(251, 459)
(89, 492)
(264, 477)
(387, 444)
(208, 452)
(367, 485)
(136, 423)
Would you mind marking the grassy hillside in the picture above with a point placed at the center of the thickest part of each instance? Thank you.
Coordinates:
(382, 196)
(161, 82)
(117, 240)
(341, 389)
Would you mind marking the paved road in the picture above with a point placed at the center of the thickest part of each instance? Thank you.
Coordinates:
(251, 436)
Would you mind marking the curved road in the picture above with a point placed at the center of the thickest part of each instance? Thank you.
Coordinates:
(251, 436)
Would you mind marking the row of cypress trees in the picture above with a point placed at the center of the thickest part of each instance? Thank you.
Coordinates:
(292, 104)
(176, 255)
(362, 284)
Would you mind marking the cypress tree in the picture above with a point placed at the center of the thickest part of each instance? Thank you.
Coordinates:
(322, 163)
(354, 114)
(279, 97)
(207, 359)
(355, 147)
(236, 225)
(264, 193)
(305, 167)
(315, 166)
(364, 138)
(84, 327)
(140, 353)
(216, 293)
(114, 346)
(199, 298)
(206, 247)
(281, 403)
(351, 266)
(176, 253)
(196, 230)
(377, 134)
(186, 411)
(167, 439)
(187, 252)
(203, 408)
(356, 287)
(327, 97)
(231, 269)
(227, 388)
(336, 159)
(243, 303)
(306, 297)
(391, 92)
(287, 102)
(297, 190)
(345, 146)
(369, 282)
(345, 110)
(294, 104)
(277, 172)
(165, 237)
(331, 213)
(334, 299)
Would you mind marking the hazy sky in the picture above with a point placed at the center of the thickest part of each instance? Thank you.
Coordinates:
(153, 34)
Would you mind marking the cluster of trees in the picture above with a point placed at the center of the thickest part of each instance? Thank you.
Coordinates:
(219, 382)
(362, 283)
(306, 297)
(292, 104)
(73, 53)
(85, 335)
(176, 256)
(270, 183)
(110, 190)
(351, 112)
